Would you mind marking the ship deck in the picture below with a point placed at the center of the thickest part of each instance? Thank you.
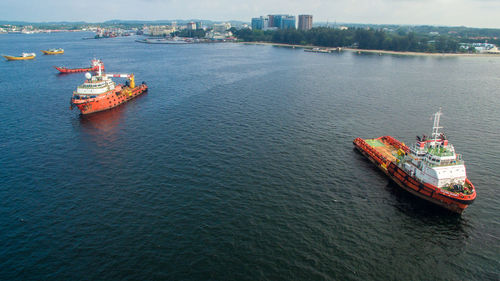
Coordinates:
(387, 150)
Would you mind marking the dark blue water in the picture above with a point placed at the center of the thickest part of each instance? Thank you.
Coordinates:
(238, 164)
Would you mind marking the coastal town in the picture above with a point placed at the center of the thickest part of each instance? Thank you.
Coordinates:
(294, 31)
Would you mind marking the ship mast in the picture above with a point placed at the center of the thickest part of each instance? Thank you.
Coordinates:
(435, 127)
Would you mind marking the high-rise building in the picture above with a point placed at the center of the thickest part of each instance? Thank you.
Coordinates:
(191, 26)
(265, 22)
(287, 22)
(260, 23)
(256, 23)
(281, 21)
(271, 20)
(277, 20)
(199, 25)
(305, 22)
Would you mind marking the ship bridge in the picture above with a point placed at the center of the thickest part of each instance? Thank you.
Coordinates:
(93, 86)
(434, 161)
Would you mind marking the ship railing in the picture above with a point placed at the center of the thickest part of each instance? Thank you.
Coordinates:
(394, 142)
(459, 187)
(370, 150)
(440, 151)
(444, 164)
(83, 96)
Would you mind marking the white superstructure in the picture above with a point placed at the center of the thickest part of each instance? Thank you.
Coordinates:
(94, 85)
(434, 161)
(99, 84)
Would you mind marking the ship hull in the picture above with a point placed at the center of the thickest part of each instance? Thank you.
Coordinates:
(109, 100)
(52, 53)
(452, 201)
(75, 70)
(18, 58)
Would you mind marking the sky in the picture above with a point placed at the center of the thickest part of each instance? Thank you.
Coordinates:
(471, 13)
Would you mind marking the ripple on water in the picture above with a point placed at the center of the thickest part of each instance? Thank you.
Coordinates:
(238, 164)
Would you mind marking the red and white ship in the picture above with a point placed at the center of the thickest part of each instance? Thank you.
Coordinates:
(99, 92)
(430, 169)
(95, 64)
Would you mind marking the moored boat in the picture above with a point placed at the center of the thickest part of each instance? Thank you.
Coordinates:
(24, 56)
(57, 51)
(430, 169)
(94, 67)
(318, 50)
(99, 92)
(175, 40)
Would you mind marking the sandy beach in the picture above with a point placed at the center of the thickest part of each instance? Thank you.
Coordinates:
(381, 52)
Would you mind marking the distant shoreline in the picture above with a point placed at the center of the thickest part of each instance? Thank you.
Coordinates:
(377, 51)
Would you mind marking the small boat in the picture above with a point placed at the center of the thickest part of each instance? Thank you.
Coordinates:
(53, 51)
(175, 40)
(429, 169)
(94, 67)
(318, 50)
(24, 56)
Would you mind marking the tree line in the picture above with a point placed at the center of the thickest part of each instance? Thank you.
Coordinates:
(359, 37)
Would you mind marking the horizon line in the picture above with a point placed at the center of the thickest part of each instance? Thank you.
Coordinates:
(232, 20)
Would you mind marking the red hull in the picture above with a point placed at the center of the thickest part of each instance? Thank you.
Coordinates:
(74, 70)
(455, 202)
(109, 100)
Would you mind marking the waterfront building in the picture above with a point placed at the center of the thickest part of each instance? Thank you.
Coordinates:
(277, 20)
(479, 47)
(280, 21)
(159, 30)
(288, 22)
(305, 22)
(199, 25)
(221, 27)
(260, 23)
(256, 23)
(220, 32)
(270, 19)
(191, 26)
